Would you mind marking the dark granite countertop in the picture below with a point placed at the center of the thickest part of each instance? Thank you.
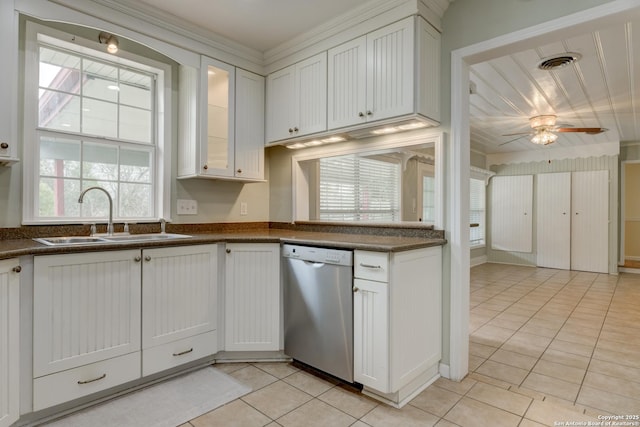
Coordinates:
(10, 248)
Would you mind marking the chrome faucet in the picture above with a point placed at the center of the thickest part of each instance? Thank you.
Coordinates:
(110, 223)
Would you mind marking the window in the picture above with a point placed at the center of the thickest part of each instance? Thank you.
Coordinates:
(91, 119)
(477, 212)
(428, 199)
(353, 188)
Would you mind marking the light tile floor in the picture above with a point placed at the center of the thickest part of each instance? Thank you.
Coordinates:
(546, 346)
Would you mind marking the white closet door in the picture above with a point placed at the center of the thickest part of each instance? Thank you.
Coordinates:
(511, 213)
(553, 220)
(590, 221)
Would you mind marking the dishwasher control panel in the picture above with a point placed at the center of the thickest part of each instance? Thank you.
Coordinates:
(315, 254)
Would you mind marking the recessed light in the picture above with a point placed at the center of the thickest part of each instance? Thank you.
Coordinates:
(384, 131)
(412, 125)
(333, 139)
(312, 143)
(296, 146)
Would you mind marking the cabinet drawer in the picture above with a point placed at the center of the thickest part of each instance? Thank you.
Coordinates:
(165, 356)
(371, 266)
(67, 385)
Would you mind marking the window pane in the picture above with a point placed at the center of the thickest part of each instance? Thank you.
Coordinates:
(100, 81)
(58, 197)
(59, 157)
(135, 124)
(135, 89)
(100, 162)
(59, 71)
(135, 200)
(99, 118)
(57, 110)
(135, 166)
(95, 203)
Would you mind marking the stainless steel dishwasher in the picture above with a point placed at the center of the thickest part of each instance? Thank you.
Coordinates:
(318, 308)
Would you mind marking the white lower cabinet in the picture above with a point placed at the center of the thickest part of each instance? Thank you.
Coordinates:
(252, 297)
(86, 318)
(397, 321)
(179, 300)
(106, 318)
(9, 342)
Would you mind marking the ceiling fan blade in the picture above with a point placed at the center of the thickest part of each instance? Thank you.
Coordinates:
(513, 140)
(590, 131)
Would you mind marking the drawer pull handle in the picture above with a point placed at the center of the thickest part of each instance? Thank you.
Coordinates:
(95, 379)
(183, 352)
(370, 266)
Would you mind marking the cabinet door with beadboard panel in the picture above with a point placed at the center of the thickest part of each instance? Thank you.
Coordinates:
(371, 334)
(179, 293)
(249, 146)
(280, 104)
(86, 308)
(252, 297)
(311, 92)
(391, 70)
(347, 84)
(9, 342)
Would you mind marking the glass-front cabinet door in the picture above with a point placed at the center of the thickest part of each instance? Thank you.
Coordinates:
(217, 118)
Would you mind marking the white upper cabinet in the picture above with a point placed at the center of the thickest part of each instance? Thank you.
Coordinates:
(347, 84)
(297, 99)
(217, 125)
(249, 147)
(390, 72)
(8, 84)
(221, 118)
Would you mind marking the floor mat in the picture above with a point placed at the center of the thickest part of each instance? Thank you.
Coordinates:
(167, 404)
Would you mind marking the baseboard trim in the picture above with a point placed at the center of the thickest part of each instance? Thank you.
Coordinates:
(629, 270)
(478, 260)
(445, 371)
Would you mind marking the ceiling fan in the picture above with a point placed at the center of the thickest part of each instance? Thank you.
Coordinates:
(544, 129)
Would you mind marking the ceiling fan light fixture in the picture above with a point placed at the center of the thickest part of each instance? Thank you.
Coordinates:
(544, 138)
(544, 121)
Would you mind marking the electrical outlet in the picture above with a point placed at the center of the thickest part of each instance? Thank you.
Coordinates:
(243, 208)
(187, 207)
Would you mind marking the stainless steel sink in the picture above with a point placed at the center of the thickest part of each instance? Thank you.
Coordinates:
(116, 238)
(71, 240)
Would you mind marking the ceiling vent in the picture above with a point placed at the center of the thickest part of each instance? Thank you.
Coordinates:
(555, 62)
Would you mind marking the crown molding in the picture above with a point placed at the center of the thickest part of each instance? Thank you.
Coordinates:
(147, 20)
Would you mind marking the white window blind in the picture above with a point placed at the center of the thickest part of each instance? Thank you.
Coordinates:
(477, 212)
(359, 189)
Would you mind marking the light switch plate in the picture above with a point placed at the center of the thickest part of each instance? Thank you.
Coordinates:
(187, 207)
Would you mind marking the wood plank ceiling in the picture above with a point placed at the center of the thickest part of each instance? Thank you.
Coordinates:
(602, 89)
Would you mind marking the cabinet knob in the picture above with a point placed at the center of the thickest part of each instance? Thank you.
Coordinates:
(137, 259)
(239, 171)
(147, 258)
(369, 113)
(17, 269)
(205, 167)
(360, 114)
(4, 145)
(355, 289)
(228, 251)
(290, 130)
(295, 129)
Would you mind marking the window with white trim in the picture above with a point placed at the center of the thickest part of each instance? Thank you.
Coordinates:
(91, 119)
(353, 188)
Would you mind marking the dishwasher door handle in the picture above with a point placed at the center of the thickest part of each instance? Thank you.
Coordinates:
(314, 264)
